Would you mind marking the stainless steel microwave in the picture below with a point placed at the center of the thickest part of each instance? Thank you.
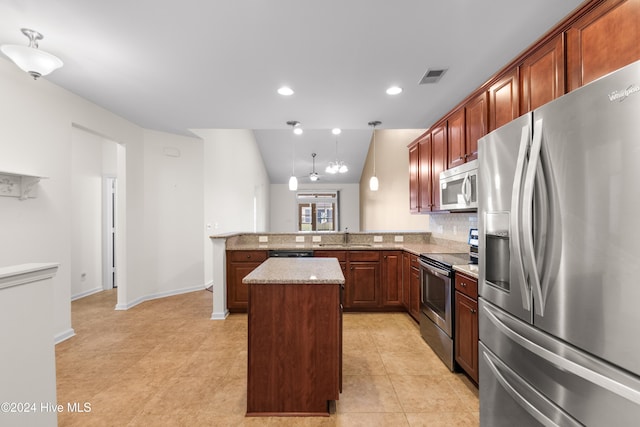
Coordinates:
(459, 187)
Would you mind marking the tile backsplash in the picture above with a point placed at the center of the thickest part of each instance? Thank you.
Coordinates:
(452, 226)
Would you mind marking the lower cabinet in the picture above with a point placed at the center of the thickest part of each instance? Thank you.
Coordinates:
(411, 285)
(392, 278)
(363, 283)
(466, 324)
(239, 264)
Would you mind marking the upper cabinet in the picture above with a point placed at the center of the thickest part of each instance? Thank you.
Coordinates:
(503, 100)
(457, 139)
(542, 75)
(600, 37)
(602, 41)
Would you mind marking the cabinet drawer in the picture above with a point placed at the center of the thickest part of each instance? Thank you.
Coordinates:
(467, 285)
(341, 255)
(364, 255)
(249, 256)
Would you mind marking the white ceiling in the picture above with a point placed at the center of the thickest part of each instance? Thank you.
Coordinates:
(198, 64)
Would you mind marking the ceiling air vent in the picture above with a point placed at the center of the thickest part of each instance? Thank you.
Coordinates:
(433, 76)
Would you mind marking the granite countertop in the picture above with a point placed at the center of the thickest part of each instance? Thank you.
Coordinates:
(468, 269)
(310, 271)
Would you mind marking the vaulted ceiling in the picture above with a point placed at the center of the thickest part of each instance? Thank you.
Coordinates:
(196, 64)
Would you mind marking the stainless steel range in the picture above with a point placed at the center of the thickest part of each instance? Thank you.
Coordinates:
(436, 302)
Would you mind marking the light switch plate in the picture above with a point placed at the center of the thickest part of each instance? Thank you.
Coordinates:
(263, 239)
(377, 239)
(398, 238)
(300, 239)
(316, 239)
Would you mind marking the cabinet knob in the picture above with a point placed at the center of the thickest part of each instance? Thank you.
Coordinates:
(464, 285)
(248, 256)
(472, 311)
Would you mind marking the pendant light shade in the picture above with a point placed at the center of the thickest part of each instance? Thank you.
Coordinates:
(293, 181)
(31, 59)
(374, 184)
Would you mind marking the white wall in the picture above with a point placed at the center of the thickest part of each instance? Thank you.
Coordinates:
(388, 208)
(236, 187)
(36, 138)
(284, 212)
(174, 206)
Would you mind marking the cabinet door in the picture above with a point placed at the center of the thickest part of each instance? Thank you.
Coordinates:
(406, 274)
(424, 175)
(476, 112)
(414, 284)
(364, 285)
(392, 278)
(414, 187)
(456, 141)
(542, 75)
(503, 100)
(466, 334)
(602, 41)
(438, 162)
(238, 292)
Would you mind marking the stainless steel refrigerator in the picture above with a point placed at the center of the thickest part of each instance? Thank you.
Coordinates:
(559, 276)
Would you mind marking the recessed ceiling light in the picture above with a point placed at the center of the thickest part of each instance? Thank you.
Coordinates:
(285, 91)
(394, 90)
(297, 131)
(336, 131)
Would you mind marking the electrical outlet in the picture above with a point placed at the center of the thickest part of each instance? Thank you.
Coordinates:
(263, 239)
(377, 239)
(316, 239)
(299, 239)
(398, 239)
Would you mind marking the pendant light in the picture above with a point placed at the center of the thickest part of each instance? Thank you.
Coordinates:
(338, 166)
(313, 176)
(293, 181)
(31, 59)
(373, 182)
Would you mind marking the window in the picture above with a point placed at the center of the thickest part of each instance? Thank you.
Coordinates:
(317, 211)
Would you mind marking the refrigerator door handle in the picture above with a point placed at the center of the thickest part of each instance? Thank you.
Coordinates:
(516, 216)
(527, 219)
(563, 363)
(539, 407)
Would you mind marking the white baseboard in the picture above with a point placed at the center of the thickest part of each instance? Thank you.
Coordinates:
(165, 294)
(63, 336)
(219, 316)
(87, 293)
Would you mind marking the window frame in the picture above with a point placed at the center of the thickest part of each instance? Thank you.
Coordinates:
(310, 200)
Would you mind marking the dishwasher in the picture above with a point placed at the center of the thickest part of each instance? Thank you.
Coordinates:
(290, 254)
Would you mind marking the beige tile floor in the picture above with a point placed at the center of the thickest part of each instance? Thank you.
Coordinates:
(165, 363)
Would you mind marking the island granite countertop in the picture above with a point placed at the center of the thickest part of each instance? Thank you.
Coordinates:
(308, 271)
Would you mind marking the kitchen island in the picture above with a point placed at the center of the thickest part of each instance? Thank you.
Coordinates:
(294, 336)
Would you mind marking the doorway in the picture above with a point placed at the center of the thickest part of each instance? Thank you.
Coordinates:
(109, 232)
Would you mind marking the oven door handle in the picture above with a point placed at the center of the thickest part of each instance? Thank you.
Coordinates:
(434, 270)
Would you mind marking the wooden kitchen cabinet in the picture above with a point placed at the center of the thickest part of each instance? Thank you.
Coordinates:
(542, 75)
(466, 324)
(414, 176)
(363, 286)
(239, 264)
(391, 279)
(476, 123)
(425, 201)
(503, 100)
(457, 145)
(411, 285)
(438, 162)
(602, 41)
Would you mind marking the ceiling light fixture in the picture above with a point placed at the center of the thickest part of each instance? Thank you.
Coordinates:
(338, 166)
(30, 59)
(313, 176)
(374, 184)
(394, 90)
(293, 181)
(285, 91)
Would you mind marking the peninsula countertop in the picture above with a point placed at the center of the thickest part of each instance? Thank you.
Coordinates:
(309, 271)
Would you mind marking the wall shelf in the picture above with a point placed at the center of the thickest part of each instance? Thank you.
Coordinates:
(19, 185)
